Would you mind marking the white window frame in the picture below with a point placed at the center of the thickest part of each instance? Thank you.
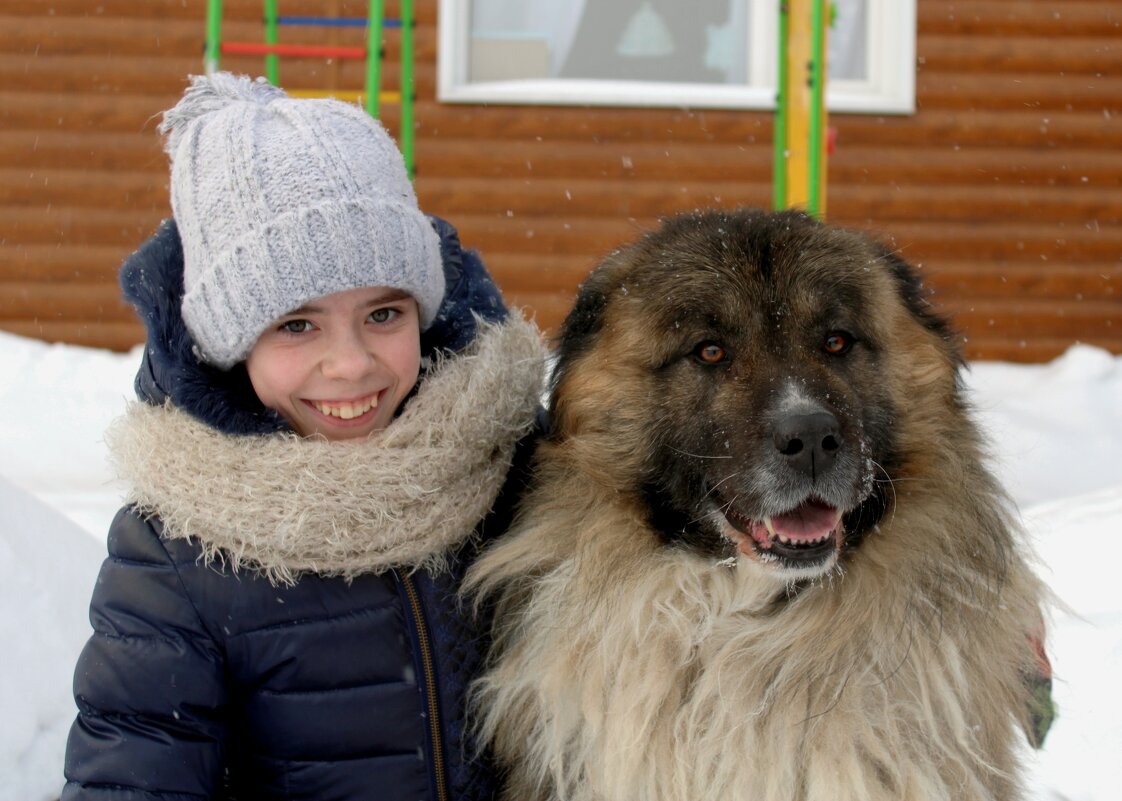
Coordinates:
(889, 88)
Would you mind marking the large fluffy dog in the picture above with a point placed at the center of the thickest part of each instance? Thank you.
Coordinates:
(761, 557)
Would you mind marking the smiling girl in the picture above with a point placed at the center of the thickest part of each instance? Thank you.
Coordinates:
(331, 399)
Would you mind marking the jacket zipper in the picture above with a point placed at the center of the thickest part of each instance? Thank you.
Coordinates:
(430, 682)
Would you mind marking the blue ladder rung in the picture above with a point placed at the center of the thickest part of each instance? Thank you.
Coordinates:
(335, 22)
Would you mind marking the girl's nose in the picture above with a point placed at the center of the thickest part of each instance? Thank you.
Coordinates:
(347, 357)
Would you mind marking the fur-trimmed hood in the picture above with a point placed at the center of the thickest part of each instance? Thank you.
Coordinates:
(217, 467)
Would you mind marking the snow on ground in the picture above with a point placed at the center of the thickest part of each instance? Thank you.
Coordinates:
(1057, 441)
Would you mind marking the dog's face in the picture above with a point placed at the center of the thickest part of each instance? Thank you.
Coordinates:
(747, 371)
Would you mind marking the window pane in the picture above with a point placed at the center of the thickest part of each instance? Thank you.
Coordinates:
(700, 41)
(847, 41)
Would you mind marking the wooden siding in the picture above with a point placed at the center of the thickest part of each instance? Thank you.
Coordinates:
(1005, 186)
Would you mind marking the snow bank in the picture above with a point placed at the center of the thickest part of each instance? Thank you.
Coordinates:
(48, 566)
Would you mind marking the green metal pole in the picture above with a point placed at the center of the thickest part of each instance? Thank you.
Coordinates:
(374, 19)
(213, 36)
(779, 168)
(272, 63)
(407, 84)
(818, 83)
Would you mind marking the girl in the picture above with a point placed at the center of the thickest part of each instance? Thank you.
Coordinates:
(332, 395)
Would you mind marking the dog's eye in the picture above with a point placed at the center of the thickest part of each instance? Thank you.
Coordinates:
(837, 343)
(709, 353)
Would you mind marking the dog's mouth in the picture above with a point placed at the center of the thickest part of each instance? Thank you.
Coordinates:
(810, 535)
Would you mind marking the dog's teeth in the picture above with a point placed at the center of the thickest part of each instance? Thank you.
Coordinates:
(770, 528)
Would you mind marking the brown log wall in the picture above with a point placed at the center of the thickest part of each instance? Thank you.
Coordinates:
(1005, 186)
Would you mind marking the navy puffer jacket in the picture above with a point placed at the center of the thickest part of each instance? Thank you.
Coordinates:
(202, 682)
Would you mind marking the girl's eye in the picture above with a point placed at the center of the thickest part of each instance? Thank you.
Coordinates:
(837, 343)
(710, 353)
(382, 315)
(296, 326)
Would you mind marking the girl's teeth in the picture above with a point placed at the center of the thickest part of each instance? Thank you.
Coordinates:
(347, 411)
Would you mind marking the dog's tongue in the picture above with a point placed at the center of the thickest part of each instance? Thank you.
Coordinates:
(807, 523)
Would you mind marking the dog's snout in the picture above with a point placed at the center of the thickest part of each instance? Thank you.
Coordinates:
(809, 442)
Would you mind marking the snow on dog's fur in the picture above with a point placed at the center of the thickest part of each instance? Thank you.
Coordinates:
(761, 557)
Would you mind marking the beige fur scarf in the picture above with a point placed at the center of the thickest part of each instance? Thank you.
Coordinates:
(285, 505)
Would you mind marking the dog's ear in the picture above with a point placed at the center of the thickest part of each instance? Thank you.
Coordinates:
(583, 323)
(909, 285)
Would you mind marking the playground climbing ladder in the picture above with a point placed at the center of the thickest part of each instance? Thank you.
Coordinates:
(372, 53)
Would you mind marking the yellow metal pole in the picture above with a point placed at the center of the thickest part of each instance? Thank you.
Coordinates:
(798, 102)
(804, 112)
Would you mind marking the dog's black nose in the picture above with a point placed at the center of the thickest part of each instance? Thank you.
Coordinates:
(809, 442)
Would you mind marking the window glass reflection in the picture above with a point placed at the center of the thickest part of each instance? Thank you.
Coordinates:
(700, 41)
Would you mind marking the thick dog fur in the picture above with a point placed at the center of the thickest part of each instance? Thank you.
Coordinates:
(652, 642)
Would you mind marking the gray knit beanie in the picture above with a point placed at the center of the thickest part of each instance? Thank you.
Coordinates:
(280, 201)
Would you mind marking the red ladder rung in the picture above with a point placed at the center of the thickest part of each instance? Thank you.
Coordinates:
(299, 51)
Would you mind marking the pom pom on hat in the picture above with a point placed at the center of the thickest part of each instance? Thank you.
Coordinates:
(211, 93)
(280, 201)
